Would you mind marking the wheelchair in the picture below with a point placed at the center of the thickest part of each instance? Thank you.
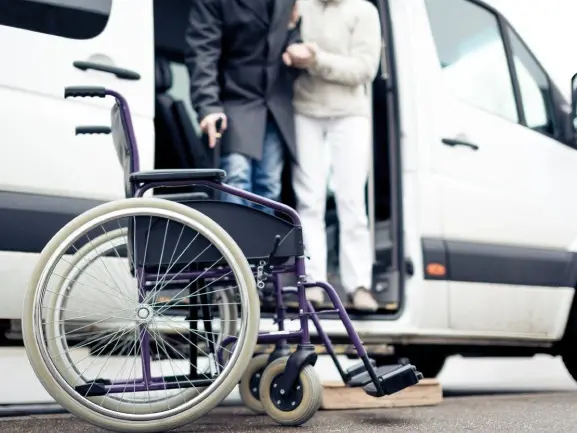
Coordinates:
(142, 314)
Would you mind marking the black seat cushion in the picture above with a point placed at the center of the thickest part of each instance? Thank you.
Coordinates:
(169, 146)
(214, 175)
(162, 75)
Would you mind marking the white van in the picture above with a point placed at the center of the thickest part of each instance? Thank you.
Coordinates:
(475, 160)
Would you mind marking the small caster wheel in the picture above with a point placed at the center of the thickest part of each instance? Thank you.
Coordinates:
(295, 406)
(250, 383)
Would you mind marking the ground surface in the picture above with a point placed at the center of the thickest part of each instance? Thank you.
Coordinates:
(553, 412)
(481, 395)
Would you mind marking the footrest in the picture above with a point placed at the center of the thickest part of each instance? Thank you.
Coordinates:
(93, 389)
(364, 378)
(392, 379)
(357, 369)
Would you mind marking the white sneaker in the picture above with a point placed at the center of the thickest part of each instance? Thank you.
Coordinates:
(363, 300)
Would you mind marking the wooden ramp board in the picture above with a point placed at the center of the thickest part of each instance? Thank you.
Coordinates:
(336, 396)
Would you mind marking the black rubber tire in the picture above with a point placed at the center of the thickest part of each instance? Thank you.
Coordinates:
(312, 396)
(256, 366)
(569, 357)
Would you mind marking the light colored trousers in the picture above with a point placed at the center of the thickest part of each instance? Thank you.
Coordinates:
(339, 147)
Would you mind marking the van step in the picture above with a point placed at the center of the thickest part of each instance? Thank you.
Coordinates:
(358, 368)
(392, 379)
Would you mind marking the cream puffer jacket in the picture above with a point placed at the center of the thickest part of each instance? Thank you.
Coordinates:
(347, 34)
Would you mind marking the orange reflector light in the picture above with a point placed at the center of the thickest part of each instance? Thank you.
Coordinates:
(436, 270)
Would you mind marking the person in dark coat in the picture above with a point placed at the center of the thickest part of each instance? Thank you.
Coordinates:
(234, 54)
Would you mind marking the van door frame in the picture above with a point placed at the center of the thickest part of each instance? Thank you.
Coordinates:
(400, 266)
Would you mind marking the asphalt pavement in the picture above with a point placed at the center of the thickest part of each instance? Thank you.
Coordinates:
(538, 413)
(481, 395)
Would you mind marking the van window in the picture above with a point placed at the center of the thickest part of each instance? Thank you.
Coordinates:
(472, 55)
(74, 19)
(533, 86)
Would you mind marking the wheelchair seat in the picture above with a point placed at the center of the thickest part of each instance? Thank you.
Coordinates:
(178, 175)
(253, 230)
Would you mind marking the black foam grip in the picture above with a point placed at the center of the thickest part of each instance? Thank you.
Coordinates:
(84, 92)
(218, 125)
(93, 130)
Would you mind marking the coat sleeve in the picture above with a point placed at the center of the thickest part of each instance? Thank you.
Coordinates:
(360, 67)
(202, 55)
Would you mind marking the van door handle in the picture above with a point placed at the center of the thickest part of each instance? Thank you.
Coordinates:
(121, 73)
(454, 142)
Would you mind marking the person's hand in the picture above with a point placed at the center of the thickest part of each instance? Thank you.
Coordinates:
(299, 55)
(208, 125)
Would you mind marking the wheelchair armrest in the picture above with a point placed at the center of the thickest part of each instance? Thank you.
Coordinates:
(177, 175)
(184, 197)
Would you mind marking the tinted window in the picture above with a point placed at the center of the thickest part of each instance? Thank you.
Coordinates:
(75, 19)
(533, 86)
(472, 54)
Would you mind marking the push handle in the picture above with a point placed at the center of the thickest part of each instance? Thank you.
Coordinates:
(93, 130)
(124, 74)
(84, 92)
(218, 127)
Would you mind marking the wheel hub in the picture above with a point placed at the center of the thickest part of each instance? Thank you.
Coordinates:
(255, 384)
(283, 399)
(144, 313)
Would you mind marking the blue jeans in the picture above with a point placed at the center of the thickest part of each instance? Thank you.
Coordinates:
(259, 177)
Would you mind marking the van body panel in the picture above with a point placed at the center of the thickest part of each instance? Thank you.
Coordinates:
(501, 187)
(36, 117)
(47, 174)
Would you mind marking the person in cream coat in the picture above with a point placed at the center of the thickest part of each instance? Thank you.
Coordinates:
(332, 121)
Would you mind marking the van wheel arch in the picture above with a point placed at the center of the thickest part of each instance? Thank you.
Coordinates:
(570, 334)
(567, 347)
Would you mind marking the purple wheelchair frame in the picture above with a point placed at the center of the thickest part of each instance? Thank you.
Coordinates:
(305, 353)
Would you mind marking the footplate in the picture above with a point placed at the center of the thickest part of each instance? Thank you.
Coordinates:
(92, 389)
(392, 379)
(358, 369)
(362, 376)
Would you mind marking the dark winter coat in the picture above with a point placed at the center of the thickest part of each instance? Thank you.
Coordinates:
(233, 54)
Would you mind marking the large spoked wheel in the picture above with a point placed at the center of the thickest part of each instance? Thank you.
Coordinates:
(140, 395)
(83, 262)
(290, 407)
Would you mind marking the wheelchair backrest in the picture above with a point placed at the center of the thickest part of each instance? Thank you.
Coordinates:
(121, 141)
